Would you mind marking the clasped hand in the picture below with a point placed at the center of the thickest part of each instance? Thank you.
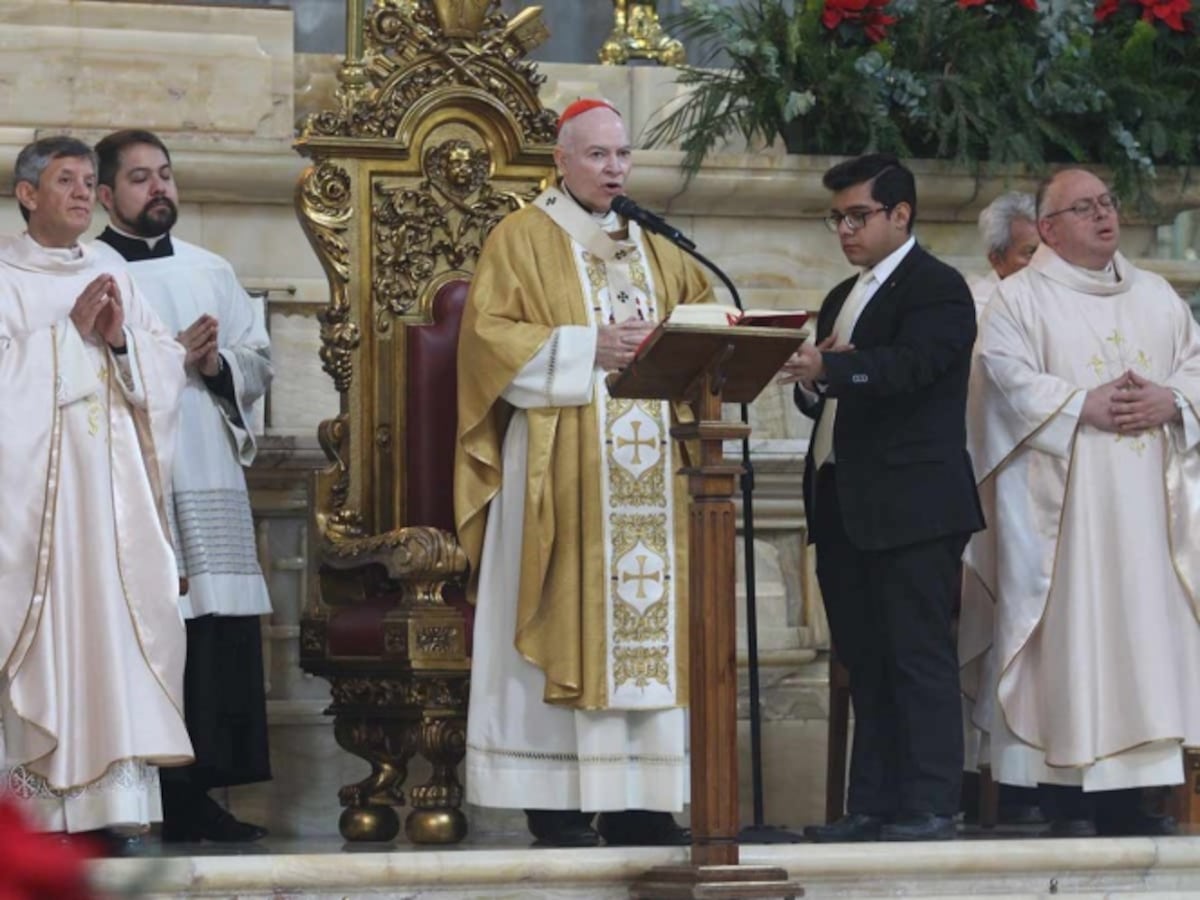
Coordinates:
(617, 344)
(200, 341)
(807, 365)
(99, 313)
(1129, 404)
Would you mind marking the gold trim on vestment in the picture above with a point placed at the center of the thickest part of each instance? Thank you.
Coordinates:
(1046, 600)
(1168, 450)
(1037, 430)
(149, 465)
(46, 535)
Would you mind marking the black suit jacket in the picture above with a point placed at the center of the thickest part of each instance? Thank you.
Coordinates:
(903, 472)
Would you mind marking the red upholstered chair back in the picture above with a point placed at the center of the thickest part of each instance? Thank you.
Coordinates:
(431, 421)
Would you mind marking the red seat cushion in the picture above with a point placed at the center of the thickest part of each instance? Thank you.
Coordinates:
(357, 630)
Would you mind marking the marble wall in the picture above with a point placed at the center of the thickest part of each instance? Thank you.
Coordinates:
(224, 88)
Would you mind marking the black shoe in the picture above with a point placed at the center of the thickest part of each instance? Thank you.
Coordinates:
(1021, 814)
(641, 828)
(851, 828)
(1071, 828)
(920, 827)
(1139, 823)
(561, 828)
(107, 842)
(210, 822)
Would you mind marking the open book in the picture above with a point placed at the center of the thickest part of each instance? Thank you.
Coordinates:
(710, 314)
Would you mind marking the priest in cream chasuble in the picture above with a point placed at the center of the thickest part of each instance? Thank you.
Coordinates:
(1080, 635)
(91, 638)
(571, 513)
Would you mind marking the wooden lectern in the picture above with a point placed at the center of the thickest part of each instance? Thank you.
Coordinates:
(705, 367)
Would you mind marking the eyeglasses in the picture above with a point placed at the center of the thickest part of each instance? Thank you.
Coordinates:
(854, 220)
(1087, 207)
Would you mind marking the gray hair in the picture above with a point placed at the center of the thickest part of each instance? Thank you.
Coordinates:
(34, 158)
(996, 220)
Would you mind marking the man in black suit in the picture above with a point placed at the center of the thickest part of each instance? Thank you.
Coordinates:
(891, 500)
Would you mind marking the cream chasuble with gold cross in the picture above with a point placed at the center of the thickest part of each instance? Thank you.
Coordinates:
(621, 744)
(92, 644)
(1080, 628)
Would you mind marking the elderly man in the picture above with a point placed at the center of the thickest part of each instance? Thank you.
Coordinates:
(891, 500)
(1079, 635)
(1008, 226)
(92, 643)
(568, 506)
(197, 295)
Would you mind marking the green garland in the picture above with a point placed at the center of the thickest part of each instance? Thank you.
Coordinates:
(989, 83)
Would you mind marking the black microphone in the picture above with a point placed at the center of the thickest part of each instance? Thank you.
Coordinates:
(623, 206)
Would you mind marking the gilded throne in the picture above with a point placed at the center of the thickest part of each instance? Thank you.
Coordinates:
(437, 134)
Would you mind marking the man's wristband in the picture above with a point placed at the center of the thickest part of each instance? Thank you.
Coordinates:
(119, 351)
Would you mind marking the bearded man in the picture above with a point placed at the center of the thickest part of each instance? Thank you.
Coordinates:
(197, 295)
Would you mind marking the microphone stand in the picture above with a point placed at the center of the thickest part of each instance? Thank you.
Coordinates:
(758, 833)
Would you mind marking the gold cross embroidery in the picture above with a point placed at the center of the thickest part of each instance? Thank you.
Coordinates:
(641, 577)
(95, 409)
(637, 443)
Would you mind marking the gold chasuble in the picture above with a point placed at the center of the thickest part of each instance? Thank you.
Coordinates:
(568, 506)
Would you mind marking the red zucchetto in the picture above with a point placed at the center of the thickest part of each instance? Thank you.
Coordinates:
(579, 107)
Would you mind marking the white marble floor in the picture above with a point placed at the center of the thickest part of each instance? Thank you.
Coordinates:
(329, 870)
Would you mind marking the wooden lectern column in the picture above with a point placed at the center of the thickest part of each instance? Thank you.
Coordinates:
(712, 647)
(702, 367)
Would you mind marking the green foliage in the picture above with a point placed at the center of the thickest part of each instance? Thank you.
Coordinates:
(982, 82)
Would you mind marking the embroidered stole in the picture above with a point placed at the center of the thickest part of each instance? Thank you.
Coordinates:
(637, 483)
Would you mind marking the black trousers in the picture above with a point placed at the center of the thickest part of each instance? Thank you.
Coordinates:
(890, 618)
(224, 705)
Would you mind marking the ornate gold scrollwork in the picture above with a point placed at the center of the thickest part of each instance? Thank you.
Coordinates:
(437, 134)
(438, 640)
(435, 226)
(436, 817)
(360, 695)
(313, 635)
(638, 34)
(336, 521)
(387, 745)
(413, 48)
(324, 199)
(406, 553)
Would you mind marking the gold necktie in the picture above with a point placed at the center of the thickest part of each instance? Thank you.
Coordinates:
(842, 328)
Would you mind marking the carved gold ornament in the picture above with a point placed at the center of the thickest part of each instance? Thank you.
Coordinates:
(435, 134)
(638, 34)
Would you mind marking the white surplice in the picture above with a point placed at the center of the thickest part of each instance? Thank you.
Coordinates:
(522, 752)
(211, 517)
(1079, 636)
(91, 638)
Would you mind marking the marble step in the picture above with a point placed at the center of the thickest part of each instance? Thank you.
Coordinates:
(1024, 868)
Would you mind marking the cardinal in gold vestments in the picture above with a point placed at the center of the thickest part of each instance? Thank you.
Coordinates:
(571, 513)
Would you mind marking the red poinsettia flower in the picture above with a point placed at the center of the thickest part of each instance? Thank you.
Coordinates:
(37, 866)
(866, 13)
(1170, 12)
